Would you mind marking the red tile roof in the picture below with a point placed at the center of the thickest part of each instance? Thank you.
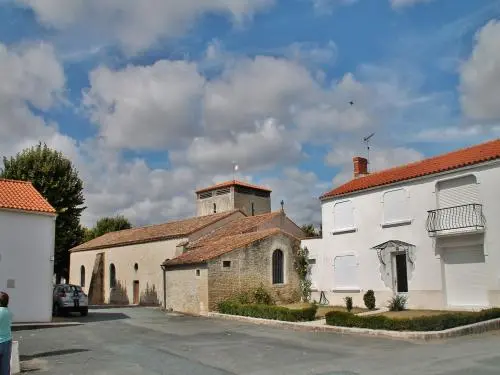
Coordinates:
(450, 161)
(239, 226)
(152, 233)
(22, 195)
(213, 249)
(233, 183)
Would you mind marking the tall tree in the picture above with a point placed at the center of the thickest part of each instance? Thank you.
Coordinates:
(106, 225)
(309, 230)
(55, 177)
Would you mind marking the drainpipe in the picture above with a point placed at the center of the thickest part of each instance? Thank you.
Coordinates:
(164, 287)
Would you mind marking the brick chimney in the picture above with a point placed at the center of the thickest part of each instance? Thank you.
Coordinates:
(360, 166)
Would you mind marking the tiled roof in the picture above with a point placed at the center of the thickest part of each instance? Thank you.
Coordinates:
(239, 226)
(22, 195)
(160, 232)
(233, 183)
(214, 249)
(450, 161)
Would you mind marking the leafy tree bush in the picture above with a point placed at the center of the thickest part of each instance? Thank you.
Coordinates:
(268, 311)
(301, 265)
(424, 323)
(397, 303)
(348, 303)
(262, 296)
(106, 225)
(55, 177)
(369, 299)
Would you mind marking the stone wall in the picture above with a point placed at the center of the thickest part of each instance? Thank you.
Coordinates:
(250, 268)
(186, 290)
(262, 205)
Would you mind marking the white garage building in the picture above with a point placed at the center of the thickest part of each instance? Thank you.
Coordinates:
(27, 233)
(429, 230)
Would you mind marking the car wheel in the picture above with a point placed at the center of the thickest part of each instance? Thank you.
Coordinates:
(84, 312)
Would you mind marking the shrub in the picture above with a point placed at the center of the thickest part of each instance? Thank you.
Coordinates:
(348, 303)
(369, 299)
(424, 323)
(268, 311)
(397, 303)
(262, 296)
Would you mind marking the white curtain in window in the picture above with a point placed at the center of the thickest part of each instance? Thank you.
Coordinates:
(345, 272)
(396, 206)
(343, 215)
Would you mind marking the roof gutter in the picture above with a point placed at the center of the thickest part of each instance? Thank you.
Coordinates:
(420, 178)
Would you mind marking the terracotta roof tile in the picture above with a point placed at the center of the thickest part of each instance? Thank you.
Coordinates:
(450, 161)
(239, 226)
(214, 249)
(233, 183)
(22, 195)
(159, 232)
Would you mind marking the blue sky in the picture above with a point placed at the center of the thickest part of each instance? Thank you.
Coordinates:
(153, 99)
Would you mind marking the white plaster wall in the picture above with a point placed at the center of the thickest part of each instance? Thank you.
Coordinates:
(26, 251)
(426, 282)
(148, 256)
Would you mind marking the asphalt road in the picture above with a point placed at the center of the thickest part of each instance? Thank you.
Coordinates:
(146, 341)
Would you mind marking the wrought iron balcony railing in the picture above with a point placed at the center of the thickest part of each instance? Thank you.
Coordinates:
(466, 217)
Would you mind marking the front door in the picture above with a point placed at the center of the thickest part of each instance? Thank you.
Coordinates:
(400, 273)
(136, 292)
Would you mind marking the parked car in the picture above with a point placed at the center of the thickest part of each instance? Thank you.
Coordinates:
(69, 298)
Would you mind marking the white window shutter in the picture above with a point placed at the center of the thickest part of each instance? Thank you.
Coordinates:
(396, 206)
(458, 192)
(343, 215)
(345, 272)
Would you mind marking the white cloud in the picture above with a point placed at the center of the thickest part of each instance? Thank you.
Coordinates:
(313, 53)
(136, 25)
(254, 89)
(268, 145)
(405, 3)
(151, 107)
(480, 75)
(327, 6)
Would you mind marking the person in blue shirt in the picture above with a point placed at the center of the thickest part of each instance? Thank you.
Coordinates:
(5, 334)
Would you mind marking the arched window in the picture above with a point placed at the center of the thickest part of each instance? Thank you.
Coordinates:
(82, 276)
(253, 209)
(112, 275)
(278, 274)
(136, 267)
(215, 208)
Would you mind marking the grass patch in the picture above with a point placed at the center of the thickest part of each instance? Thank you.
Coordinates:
(409, 314)
(322, 310)
(436, 322)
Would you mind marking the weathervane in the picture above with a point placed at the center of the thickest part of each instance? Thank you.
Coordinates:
(235, 169)
(366, 140)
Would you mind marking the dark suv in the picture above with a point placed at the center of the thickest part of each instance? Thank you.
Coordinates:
(69, 298)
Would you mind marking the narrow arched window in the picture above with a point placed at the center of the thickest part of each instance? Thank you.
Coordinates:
(112, 275)
(215, 208)
(253, 209)
(82, 276)
(278, 272)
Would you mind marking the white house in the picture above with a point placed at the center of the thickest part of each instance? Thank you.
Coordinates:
(429, 230)
(27, 233)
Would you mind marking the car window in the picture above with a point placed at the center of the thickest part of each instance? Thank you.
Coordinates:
(72, 288)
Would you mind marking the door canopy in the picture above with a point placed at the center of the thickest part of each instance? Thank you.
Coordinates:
(395, 246)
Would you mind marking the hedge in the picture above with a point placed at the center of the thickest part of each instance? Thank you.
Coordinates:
(269, 311)
(424, 323)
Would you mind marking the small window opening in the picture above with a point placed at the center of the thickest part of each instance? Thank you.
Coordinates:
(136, 267)
(226, 264)
(197, 272)
(215, 208)
(82, 276)
(253, 209)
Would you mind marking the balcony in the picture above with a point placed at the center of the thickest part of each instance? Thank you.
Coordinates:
(467, 218)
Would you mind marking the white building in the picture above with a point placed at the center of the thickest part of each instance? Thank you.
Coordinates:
(27, 233)
(429, 230)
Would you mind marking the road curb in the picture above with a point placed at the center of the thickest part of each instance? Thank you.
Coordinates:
(470, 329)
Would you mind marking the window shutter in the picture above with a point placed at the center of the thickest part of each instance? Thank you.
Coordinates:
(345, 272)
(396, 206)
(343, 215)
(458, 192)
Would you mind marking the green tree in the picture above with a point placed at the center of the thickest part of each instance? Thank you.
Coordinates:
(106, 225)
(309, 230)
(55, 177)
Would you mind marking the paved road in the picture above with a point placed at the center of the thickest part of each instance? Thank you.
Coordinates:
(146, 341)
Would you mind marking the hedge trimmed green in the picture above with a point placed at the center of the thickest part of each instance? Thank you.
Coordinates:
(269, 311)
(424, 323)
